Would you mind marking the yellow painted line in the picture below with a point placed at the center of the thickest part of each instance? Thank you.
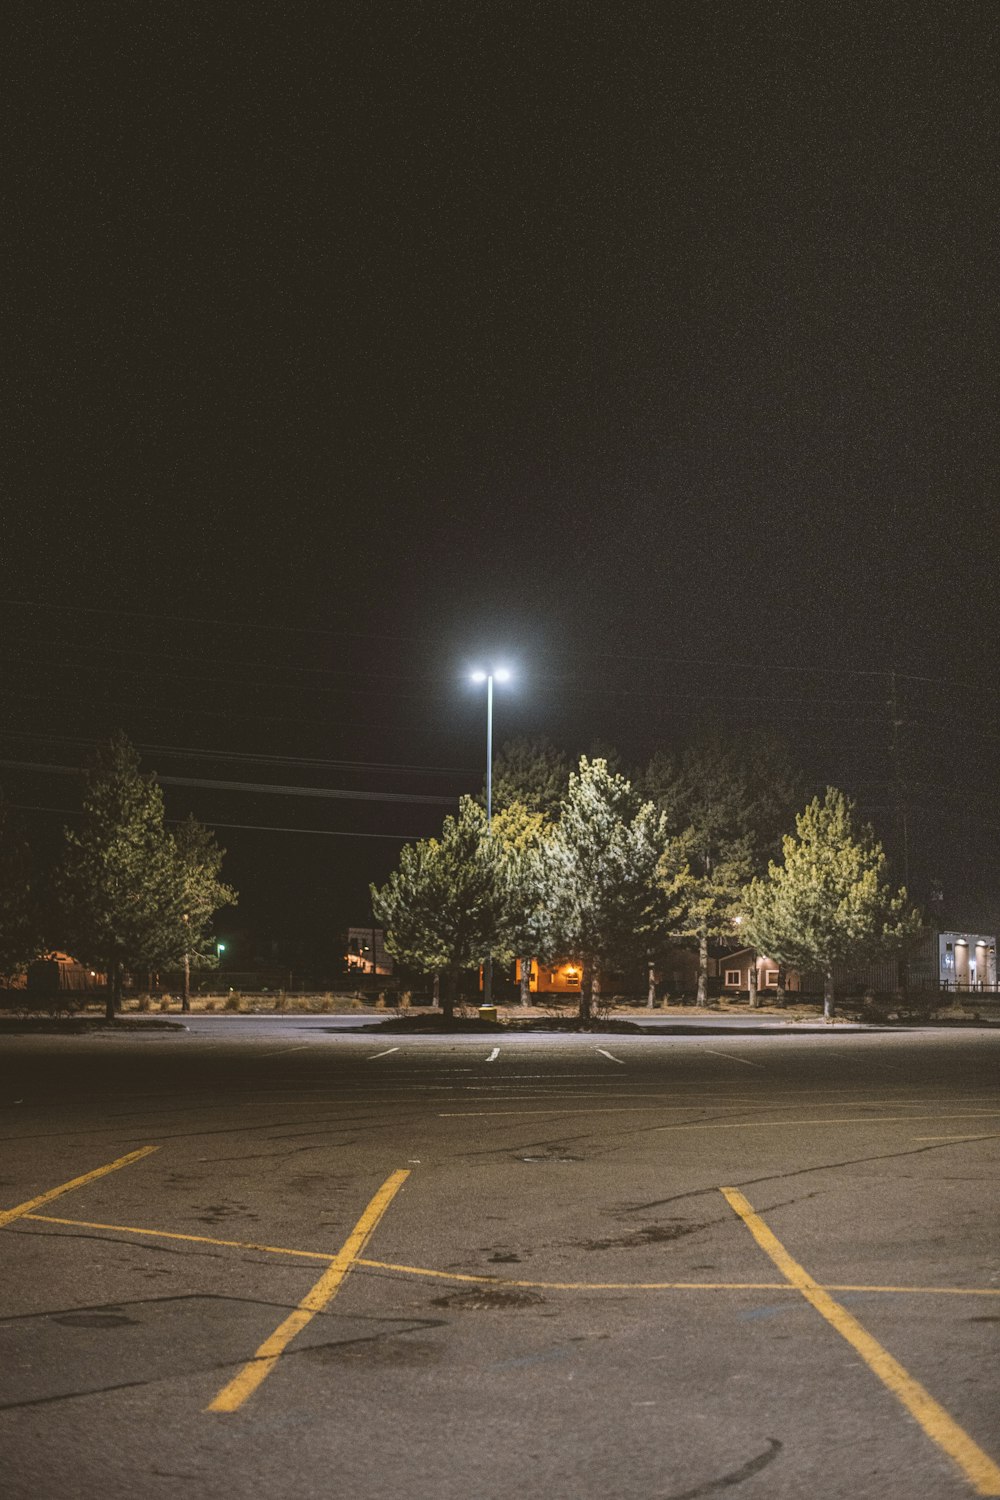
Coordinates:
(243, 1385)
(582, 1286)
(671, 1286)
(979, 1469)
(564, 1286)
(197, 1239)
(7, 1216)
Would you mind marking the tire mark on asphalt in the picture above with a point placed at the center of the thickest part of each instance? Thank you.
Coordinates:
(746, 1471)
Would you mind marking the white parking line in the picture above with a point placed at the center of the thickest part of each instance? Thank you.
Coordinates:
(494, 1055)
(618, 1060)
(730, 1058)
(282, 1050)
(377, 1055)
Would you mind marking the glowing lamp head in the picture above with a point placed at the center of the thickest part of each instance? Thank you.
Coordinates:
(479, 676)
(502, 674)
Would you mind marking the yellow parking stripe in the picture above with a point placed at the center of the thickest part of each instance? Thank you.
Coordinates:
(7, 1216)
(982, 1473)
(243, 1385)
(490, 1280)
(196, 1239)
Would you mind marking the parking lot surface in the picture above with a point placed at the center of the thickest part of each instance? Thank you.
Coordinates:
(290, 1260)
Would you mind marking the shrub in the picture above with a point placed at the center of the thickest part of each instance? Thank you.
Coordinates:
(233, 1000)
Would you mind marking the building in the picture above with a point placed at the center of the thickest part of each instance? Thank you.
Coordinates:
(365, 951)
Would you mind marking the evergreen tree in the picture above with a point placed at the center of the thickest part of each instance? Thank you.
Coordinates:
(444, 909)
(200, 861)
(122, 885)
(601, 864)
(21, 938)
(731, 807)
(829, 900)
(521, 838)
(532, 772)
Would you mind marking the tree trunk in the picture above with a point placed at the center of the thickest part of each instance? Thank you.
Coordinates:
(186, 997)
(650, 986)
(525, 981)
(828, 995)
(752, 978)
(702, 998)
(113, 997)
(586, 991)
(437, 989)
(448, 995)
(781, 996)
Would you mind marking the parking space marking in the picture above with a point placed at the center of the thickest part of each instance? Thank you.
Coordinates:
(617, 1060)
(629, 1109)
(979, 1469)
(195, 1239)
(494, 1055)
(493, 1280)
(319, 1296)
(375, 1056)
(9, 1215)
(730, 1058)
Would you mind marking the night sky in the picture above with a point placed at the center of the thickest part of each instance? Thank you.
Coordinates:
(649, 348)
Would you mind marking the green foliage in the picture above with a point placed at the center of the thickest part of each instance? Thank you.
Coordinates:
(531, 772)
(731, 806)
(829, 900)
(126, 884)
(522, 839)
(444, 907)
(601, 864)
(20, 907)
(204, 894)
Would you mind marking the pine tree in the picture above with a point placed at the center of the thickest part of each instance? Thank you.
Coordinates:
(445, 907)
(829, 900)
(601, 865)
(532, 772)
(204, 894)
(122, 885)
(522, 838)
(731, 806)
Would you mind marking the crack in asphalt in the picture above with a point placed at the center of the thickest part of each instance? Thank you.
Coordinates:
(414, 1325)
(830, 1166)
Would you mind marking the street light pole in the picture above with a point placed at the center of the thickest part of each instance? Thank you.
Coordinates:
(501, 675)
(488, 965)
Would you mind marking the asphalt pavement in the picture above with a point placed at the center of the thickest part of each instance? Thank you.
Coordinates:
(272, 1257)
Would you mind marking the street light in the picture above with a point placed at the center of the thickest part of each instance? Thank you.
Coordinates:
(498, 674)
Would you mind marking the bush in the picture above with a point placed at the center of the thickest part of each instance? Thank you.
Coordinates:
(233, 1000)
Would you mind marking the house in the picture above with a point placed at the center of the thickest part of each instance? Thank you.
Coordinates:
(60, 973)
(552, 979)
(734, 970)
(364, 951)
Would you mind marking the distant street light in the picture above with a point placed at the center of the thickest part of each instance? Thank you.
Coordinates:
(220, 949)
(498, 674)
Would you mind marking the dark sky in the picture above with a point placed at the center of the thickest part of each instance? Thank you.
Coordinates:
(651, 346)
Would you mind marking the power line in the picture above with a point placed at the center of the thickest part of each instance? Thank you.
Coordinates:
(325, 793)
(330, 833)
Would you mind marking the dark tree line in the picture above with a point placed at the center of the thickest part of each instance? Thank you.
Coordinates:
(587, 863)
